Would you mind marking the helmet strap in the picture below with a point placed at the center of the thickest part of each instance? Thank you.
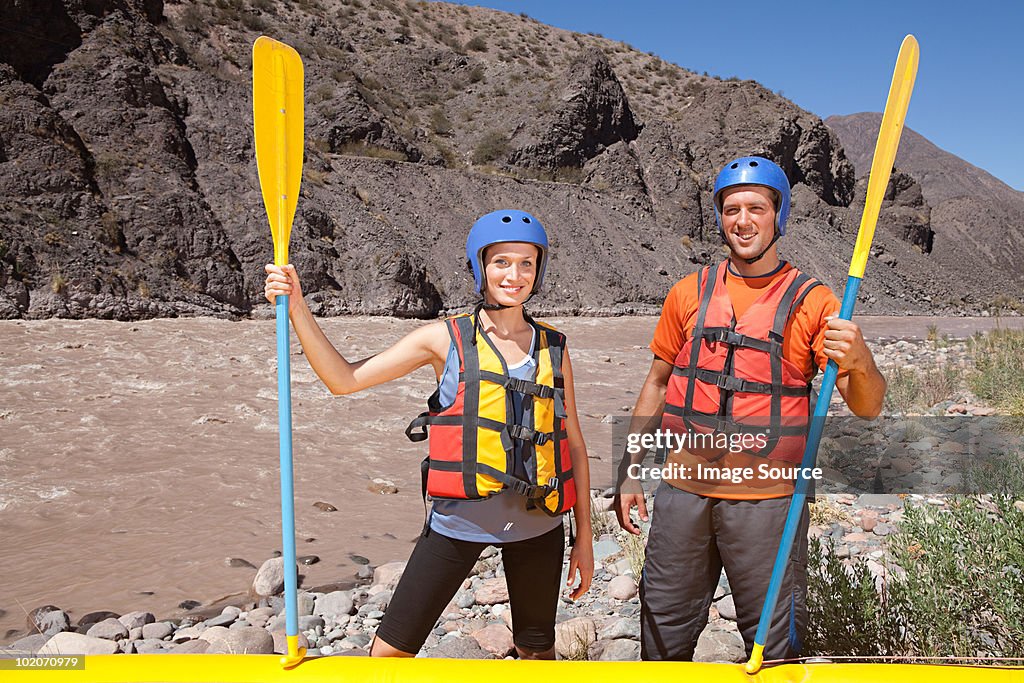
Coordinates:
(765, 250)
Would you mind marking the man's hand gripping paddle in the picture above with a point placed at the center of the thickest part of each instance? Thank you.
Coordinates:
(881, 169)
(278, 129)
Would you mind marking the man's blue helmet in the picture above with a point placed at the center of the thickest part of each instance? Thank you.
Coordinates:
(754, 171)
(507, 225)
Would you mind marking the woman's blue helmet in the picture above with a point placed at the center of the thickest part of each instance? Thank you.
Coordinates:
(754, 171)
(507, 225)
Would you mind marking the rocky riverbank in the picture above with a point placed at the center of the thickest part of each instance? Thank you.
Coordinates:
(603, 625)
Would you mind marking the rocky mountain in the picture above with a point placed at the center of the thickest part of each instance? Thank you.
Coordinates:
(977, 220)
(130, 187)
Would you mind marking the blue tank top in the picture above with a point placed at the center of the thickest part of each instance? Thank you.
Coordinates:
(502, 518)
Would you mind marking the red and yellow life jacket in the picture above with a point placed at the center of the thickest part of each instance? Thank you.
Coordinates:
(730, 377)
(471, 454)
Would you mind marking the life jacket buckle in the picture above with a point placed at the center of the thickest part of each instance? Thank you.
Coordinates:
(524, 434)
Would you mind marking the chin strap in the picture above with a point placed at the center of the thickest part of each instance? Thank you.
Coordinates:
(483, 305)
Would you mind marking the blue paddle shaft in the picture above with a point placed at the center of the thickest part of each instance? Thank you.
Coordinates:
(284, 427)
(796, 504)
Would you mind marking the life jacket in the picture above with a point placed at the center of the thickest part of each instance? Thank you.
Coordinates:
(730, 377)
(471, 454)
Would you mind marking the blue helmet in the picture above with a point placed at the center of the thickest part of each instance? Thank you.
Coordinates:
(754, 171)
(507, 225)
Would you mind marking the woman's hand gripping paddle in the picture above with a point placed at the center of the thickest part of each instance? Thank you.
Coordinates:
(881, 168)
(278, 129)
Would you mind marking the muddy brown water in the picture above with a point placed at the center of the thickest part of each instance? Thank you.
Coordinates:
(136, 458)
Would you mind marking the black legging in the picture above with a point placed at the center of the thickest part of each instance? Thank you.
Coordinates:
(439, 565)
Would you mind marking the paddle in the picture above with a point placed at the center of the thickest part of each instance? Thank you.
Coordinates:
(881, 168)
(278, 129)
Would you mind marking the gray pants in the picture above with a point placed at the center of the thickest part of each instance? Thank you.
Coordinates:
(692, 537)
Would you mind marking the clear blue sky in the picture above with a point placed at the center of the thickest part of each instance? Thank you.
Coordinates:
(836, 57)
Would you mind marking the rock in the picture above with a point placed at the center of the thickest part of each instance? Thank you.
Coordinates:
(382, 487)
(324, 507)
(491, 592)
(136, 619)
(868, 520)
(67, 643)
(335, 603)
(727, 608)
(109, 629)
(381, 600)
(270, 578)
(883, 530)
(620, 628)
(188, 633)
(455, 647)
(464, 599)
(620, 651)
(357, 640)
(259, 616)
(189, 604)
(574, 637)
(306, 602)
(191, 647)
(243, 641)
(94, 618)
(715, 645)
(855, 537)
(307, 560)
(221, 620)
(48, 620)
(280, 641)
(1019, 505)
(387, 575)
(309, 623)
(30, 644)
(496, 639)
(150, 646)
(622, 588)
(239, 562)
(157, 630)
(605, 548)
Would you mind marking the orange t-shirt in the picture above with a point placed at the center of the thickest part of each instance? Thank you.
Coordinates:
(803, 341)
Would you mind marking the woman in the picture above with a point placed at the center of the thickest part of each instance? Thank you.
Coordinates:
(502, 421)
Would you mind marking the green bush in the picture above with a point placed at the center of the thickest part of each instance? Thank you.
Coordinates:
(955, 589)
(998, 369)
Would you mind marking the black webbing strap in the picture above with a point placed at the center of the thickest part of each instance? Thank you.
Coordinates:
(729, 425)
(733, 383)
(710, 280)
(423, 420)
(470, 402)
(424, 471)
(733, 338)
(522, 386)
(526, 434)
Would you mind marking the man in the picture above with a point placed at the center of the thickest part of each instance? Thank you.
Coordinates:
(734, 354)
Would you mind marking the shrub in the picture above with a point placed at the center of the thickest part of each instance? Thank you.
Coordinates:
(439, 122)
(476, 44)
(492, 145)
(956, 591)
(998, 368)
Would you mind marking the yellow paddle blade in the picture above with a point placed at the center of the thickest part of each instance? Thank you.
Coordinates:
(278, 129)
(885, 149)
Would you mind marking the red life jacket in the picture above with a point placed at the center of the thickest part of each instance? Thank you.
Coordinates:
(730, 377)
(471, 441)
